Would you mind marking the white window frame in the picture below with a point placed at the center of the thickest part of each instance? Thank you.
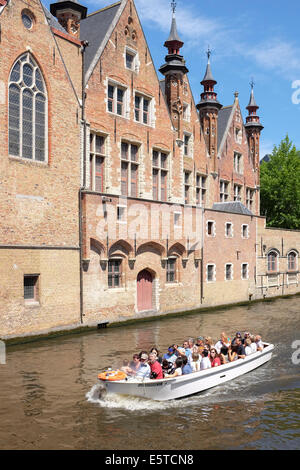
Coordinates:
(237, 191)
(125, 105)
(296, 258)
(247, 274)
(135, 62)
(141, 109)
(247, 231)
(159, 168)
(122, 220)
(231, 271)
(130, 163)
(213, 234)
(224, 196)
(231, 230)
(214, 273)
(201, 188)
(250, 198)
(178, 223)
(189, 146)
(238, 163)
(186, 112)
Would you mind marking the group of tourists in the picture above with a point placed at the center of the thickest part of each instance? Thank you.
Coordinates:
(194, 355)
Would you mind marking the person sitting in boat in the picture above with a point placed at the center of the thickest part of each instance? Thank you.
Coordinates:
(259, 343)
(156, 369)
(208, 342)
(144, 369)
(193, 347)
(236, 351)
(237, 335)
(214, 358)
(246, 335)
(184, 351)
(156, 351)
(178, 368)
(200, 344)
(126, 368)
(205, 361)
(253, 344)
(170, 356)
(168, 367)
(186, 366)
(223, 344)
(247, 345)
(195, 364)
(135, 363)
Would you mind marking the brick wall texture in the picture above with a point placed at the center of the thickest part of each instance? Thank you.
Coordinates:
(143, 216)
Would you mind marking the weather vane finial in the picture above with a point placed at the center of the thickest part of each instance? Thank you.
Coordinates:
(252, 83)
(208, 52)
(173, 6)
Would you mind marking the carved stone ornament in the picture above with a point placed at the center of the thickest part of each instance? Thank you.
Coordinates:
(177, 106)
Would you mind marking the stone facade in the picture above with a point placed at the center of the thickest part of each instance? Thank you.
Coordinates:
(119, 220)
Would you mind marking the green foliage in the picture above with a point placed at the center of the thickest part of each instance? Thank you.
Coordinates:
(280, 187)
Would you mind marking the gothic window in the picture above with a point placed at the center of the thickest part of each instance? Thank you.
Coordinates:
(272, 261)
(27, 106)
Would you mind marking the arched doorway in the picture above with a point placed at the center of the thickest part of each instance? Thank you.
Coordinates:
(144, 290)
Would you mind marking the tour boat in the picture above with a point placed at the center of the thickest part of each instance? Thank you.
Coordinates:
(189, 384)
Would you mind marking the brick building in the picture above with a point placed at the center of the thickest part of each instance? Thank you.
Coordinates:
(120, 196)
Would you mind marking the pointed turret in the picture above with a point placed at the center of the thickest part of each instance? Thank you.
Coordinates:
(174, 61)
(174, 69)
(208, 108)
(69, 13)
(252, 120)
(253, 129)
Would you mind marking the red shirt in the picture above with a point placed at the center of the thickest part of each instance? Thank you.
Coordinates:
(216, 362)
(156, 367)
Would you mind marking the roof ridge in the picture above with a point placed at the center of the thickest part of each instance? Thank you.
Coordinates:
(104, 8)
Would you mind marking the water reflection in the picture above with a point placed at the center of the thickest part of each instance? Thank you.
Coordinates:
(48, 396)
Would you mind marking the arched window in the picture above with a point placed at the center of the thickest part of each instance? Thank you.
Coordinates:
(27, 103)
(292, 261)
(272, 261)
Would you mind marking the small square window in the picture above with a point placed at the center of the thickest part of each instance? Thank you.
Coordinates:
(31, 287)
(129, 60)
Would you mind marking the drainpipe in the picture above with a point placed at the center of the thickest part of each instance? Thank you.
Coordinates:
(202, 251)
(80, 195)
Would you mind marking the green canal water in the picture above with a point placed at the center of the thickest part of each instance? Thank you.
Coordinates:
(48, 389)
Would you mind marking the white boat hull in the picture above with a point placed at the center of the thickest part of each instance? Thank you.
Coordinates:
(189, 384)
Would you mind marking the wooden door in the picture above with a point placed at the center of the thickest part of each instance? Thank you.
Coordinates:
(144, 290)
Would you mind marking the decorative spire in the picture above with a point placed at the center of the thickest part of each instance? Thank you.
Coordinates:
(174, 61)
(209, 96)
(208, 77)
(173, 43)
(252, 102)
(252, 120)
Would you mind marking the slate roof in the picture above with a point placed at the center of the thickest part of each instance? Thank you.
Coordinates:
(235, 207)
(223, 118)
(94, 28)
(173, 36)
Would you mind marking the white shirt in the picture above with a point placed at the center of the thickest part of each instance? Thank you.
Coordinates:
(253, 347)
(195, 365)
(248, 350)
(205, 363)
(143, 371)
